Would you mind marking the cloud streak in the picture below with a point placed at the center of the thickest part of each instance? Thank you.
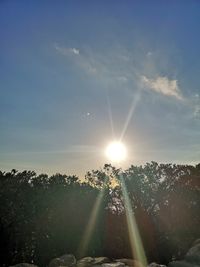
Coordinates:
(67, 51)
(164, 86)
(114, 69)
(74, 50)
(109, 67)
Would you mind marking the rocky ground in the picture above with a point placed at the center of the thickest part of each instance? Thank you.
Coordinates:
(191, 259)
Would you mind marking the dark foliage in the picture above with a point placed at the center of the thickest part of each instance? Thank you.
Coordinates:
(43, 217)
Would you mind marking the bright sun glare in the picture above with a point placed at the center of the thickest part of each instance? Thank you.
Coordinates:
(116, 152)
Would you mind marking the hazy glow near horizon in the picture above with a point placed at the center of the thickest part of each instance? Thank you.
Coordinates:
(116, 151)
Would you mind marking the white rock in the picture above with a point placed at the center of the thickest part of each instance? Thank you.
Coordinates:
(114, 264)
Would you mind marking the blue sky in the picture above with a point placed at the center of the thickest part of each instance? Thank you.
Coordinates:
(74, 75)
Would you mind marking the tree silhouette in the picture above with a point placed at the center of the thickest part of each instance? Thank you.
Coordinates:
(43, 216)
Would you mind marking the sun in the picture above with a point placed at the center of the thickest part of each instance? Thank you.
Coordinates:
(116, 152)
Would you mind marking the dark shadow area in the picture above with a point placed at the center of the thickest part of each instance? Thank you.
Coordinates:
(42, 217)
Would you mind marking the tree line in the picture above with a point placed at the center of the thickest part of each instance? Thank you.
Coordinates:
(42, 217)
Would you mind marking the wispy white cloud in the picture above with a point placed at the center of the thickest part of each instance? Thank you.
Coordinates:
(114, 68)
(67, 50)
(163, 85)
(83, 60)
(74, 50)
(121, 68)
(110, 67)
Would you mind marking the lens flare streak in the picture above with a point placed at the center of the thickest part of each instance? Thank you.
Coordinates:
(138, 252)
(135, 240)
(90, 226)
(130, 114)
(110, 116)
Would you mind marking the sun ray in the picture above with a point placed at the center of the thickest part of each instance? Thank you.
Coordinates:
(134, 103)
(138, 252)
(90, 226)
(110, 115)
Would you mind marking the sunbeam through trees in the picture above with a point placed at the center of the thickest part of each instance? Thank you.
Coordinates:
(45, 216)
